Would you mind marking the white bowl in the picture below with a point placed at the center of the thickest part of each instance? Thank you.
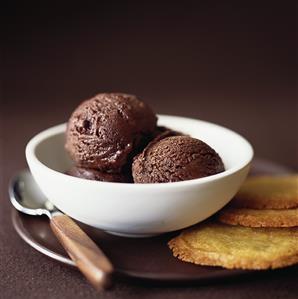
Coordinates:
(141, 209)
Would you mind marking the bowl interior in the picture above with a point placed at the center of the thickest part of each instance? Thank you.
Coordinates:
(51, 152)
(234, 150)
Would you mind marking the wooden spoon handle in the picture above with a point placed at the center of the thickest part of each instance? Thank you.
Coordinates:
(83, 251)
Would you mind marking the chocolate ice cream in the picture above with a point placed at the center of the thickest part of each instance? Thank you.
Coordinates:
(162, 132)
(106, 131)
(96, 175)
(174, 159)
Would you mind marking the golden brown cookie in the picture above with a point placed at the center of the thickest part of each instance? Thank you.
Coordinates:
(259, 218)
(268, 192)
(217, 244)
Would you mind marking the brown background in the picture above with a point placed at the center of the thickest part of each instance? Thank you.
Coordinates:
(231, 63)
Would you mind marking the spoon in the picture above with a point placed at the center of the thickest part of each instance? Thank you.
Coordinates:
(27, 198)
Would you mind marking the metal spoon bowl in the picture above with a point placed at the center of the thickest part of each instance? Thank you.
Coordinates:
(27, 198)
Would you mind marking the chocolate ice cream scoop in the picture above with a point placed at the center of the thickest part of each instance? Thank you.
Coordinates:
(174, 159)
(105, 131)
(96, 175)
(162, 132)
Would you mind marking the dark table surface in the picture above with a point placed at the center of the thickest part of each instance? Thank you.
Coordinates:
(227, 63)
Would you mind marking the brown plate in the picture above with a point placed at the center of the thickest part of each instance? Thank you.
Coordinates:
(142, 258)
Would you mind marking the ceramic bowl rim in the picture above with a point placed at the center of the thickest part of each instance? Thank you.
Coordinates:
(58, 129)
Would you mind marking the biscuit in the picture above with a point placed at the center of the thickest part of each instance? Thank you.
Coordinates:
(259, 218)
(268, 192)
(217, 244)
